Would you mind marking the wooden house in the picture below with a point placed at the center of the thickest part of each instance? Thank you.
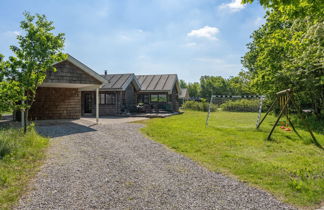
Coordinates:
(75, 90)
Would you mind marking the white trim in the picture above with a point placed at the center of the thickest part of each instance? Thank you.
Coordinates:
(97, 105)
(90, 88)
(130, 79)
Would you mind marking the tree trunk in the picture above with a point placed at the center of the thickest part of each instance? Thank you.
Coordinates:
(26, 120)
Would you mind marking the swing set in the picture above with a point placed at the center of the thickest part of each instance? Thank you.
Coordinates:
(285, 99)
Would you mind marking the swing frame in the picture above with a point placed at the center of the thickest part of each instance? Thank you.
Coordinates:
(285, 97)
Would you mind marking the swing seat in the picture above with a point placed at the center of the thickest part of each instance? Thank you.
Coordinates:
(287, 129)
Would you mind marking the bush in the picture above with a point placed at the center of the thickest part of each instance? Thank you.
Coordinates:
(199, 106)
(243, 105)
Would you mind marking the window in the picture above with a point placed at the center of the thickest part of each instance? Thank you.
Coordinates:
(162, 98)
(107, 98)
(102, 98)
(110, 98)
(146, 99)
(154, 97)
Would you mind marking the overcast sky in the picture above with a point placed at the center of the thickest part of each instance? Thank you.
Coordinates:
(188, 37)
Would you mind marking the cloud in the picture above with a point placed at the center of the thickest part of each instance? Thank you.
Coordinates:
(204, 32)
(234, 6)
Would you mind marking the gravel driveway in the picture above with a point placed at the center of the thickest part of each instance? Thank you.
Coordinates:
(116, 167)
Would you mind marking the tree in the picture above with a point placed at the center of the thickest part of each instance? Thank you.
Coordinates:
(240, 85)
(194, 89)
(183, 84)
(215, 85)
(292, 9)
(39, 48)
(9, 89)
(287, 52)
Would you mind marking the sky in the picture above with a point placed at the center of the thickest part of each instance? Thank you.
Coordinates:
(190, 38)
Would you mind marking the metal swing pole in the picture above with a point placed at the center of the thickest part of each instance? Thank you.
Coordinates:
(260, 111)
(211, 98)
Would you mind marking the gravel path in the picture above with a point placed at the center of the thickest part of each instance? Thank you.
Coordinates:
(116, 167)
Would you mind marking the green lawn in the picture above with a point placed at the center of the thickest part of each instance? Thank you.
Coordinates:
(20, 156)
(289, 168)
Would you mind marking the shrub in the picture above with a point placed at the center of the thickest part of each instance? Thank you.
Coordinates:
(243, 105)
(199, 106)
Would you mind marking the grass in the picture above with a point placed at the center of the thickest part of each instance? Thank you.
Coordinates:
(20, 156)
(290, 168)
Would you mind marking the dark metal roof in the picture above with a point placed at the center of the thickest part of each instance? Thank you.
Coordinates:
(117, 81)
(161, 82)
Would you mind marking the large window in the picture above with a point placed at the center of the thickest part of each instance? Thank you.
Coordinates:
(143, 98)
(158, 98)
(154, 97)
(107, 98)
(162, 98)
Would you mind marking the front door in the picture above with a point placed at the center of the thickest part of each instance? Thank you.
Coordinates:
(87, 103)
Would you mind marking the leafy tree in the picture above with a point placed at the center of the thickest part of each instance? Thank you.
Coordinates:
(288, 52)
(194, 89)
(292, 9)
(183, 84)
(38, 49)
(9, 90)
(215, 85)
(240, 85)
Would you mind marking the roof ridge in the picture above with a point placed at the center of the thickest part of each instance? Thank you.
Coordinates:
(129, 75)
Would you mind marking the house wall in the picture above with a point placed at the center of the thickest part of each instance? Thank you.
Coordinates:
(56, 103)
(175, 99)
(66, 72)
(130, 97)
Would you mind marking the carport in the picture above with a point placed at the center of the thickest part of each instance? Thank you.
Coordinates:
(59, 97)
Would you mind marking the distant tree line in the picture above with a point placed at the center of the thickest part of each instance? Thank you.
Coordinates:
(217, 85)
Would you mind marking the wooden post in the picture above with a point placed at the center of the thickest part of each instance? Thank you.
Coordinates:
(97, 105)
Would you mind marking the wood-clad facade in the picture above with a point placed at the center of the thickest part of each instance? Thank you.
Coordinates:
(59, 97)
(56, 103)
(74, 90)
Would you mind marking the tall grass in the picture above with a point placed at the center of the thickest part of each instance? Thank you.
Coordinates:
(20, 154)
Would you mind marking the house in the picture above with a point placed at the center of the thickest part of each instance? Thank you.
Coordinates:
(116, 96)
(75, 90)
(159, 92)
(59, 97)
(184, 95)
